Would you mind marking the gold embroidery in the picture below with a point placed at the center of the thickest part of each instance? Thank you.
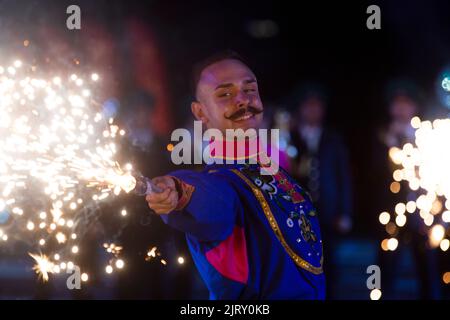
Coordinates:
(276, 229)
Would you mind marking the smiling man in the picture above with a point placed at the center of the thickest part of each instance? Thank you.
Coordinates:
(227, 96)
(251, 235)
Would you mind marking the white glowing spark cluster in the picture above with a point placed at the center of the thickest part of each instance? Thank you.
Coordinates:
(115, 262)
(53, 145)
(425, 167)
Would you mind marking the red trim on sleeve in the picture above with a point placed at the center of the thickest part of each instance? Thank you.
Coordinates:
(185, 191)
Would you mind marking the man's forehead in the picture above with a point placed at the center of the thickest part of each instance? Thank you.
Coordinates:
(225, 71)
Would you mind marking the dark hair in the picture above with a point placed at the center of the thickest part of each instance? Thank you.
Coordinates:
(203, 64)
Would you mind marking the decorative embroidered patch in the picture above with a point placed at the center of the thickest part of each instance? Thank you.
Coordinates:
(296, 215)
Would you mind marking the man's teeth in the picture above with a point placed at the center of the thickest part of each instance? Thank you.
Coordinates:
(245, 116)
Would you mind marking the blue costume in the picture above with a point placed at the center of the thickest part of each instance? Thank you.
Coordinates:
(251, 236)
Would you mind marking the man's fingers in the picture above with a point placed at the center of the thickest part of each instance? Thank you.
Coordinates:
(170, 202)
(167, 200)
(158, 208)
(158, 180)
(164, 182)
(158, 197)
(162, 185)
(165, 206)
(173, 198)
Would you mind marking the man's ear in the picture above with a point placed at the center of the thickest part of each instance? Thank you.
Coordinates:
(197, 111)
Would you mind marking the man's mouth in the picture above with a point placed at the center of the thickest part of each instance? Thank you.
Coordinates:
(245, 116)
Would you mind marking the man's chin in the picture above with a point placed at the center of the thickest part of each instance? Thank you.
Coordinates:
(245, 125)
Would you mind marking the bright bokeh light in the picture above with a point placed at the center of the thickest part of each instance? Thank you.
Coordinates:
(425, 166)
(375, 294)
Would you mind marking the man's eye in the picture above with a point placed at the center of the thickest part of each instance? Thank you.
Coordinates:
(251, 90)
(225, 94)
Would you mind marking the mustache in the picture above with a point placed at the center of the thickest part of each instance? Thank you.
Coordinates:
(241, 112)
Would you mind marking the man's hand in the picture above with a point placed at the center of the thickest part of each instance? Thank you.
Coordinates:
(166, 201)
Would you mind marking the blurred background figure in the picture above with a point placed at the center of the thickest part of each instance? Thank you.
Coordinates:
(402, 108)
(413, 258)
(322, 166)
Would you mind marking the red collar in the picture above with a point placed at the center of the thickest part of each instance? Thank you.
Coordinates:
(235, 149)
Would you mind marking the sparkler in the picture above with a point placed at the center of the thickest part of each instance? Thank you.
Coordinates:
(426, 169)
(57, 159)
(154, 253)
(43, 266)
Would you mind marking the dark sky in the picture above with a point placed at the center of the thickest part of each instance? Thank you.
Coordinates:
(321, 41)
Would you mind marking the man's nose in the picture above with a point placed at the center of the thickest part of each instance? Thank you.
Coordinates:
(242, 100)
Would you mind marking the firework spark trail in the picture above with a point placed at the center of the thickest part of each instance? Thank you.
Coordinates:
(53, 147)
(426, 170)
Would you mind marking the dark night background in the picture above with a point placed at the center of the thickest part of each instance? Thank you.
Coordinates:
(324, 42)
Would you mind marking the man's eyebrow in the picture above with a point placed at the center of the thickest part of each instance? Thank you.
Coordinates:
(227, 85)
(252, 80)
(224, 85)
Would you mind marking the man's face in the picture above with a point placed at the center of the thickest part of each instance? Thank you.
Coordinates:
(228, 97)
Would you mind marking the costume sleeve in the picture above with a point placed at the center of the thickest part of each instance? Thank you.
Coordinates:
(207, 206)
